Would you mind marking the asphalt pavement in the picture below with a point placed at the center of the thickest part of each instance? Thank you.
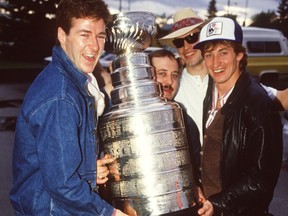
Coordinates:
(11, 96)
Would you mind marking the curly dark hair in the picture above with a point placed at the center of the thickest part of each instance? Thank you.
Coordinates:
(69, 9)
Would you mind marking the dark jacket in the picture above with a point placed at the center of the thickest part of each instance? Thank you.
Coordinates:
(193, 139)
(251, 150)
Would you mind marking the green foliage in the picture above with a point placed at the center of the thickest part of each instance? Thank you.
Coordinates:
(283, 10)
(27, 31)
(212, 10)
(281, 22)
(31, 29)
(264, 19)
(271, 19)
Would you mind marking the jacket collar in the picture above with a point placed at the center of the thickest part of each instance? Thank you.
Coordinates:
(238, 92)
(68, 68)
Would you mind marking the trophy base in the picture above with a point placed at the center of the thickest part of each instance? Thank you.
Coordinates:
(192, 211)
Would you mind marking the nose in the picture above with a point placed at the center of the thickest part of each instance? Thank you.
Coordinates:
(216, 60)
(186, 44)
(169, 80)
(94, 44)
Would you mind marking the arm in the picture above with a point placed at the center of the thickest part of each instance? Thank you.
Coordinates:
(282, 97)
(279, 96)
(60, 156)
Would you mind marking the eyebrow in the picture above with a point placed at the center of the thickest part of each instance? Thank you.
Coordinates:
(161, 70)
(90, 32)
(222, 49)
(102, 33)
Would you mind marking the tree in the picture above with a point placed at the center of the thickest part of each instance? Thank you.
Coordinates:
(32, 29)
(270, 19)
(281, 22)
(5, 22)
(283, 10)
(212, 10)
(264, 19)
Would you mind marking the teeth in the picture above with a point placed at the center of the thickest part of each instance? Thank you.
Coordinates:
(218, 71)
(90, 56)
(189, 54)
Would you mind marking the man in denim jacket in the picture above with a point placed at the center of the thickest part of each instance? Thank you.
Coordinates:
(55, 152)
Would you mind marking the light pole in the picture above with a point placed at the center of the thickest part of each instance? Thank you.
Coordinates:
(228, 6)
(120, 5)
(246, 8)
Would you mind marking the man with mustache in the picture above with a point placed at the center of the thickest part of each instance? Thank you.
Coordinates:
(168, 71)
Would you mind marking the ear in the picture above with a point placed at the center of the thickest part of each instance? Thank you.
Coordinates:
(61, 36)
(240, 56)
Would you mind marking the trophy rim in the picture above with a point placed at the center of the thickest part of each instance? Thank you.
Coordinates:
(133, 12)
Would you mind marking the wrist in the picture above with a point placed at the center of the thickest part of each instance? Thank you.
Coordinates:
(114, 213)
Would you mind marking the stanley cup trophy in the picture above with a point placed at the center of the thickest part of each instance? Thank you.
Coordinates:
(152, 173)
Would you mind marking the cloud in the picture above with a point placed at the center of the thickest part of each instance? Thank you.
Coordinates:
(168, 7)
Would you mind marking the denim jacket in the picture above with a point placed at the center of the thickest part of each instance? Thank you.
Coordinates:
(55, 150)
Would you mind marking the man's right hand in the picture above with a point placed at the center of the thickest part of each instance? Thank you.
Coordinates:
(119, 213)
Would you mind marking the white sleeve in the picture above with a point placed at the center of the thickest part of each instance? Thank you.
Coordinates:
(270, 91)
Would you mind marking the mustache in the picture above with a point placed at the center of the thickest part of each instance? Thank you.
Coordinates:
(168, 87)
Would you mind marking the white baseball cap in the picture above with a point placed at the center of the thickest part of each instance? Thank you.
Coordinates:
(220, 28)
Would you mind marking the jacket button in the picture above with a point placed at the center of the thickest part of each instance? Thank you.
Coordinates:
(93, 131)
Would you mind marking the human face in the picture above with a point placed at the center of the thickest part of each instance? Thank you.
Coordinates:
(190, 56)
(84, 43)
(167, 73)
(223, 65)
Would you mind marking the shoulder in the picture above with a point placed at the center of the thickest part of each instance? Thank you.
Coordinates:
(51, 91)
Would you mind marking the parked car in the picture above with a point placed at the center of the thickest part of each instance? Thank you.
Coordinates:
(267, 50)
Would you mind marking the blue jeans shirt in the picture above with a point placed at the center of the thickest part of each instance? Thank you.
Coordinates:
(55, 151)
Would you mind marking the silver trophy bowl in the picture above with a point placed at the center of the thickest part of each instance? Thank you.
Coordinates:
(152, 174)
(131, 31)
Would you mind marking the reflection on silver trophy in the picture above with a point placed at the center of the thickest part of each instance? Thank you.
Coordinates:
(152, 174)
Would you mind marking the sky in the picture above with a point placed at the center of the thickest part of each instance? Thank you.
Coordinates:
(244, 9)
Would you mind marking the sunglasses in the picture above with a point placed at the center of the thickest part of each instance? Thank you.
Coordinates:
(192, 38)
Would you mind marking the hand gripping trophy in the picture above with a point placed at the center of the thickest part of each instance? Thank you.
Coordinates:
(152, 173)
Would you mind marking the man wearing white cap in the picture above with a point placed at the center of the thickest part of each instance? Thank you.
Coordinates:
(242, 146)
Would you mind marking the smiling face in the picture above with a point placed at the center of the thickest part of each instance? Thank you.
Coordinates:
(167, 73)
(84, 43)
(190, 56)
(223, 64)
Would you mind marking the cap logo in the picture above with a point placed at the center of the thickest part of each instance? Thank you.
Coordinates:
(214, 28)
(186, 23)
